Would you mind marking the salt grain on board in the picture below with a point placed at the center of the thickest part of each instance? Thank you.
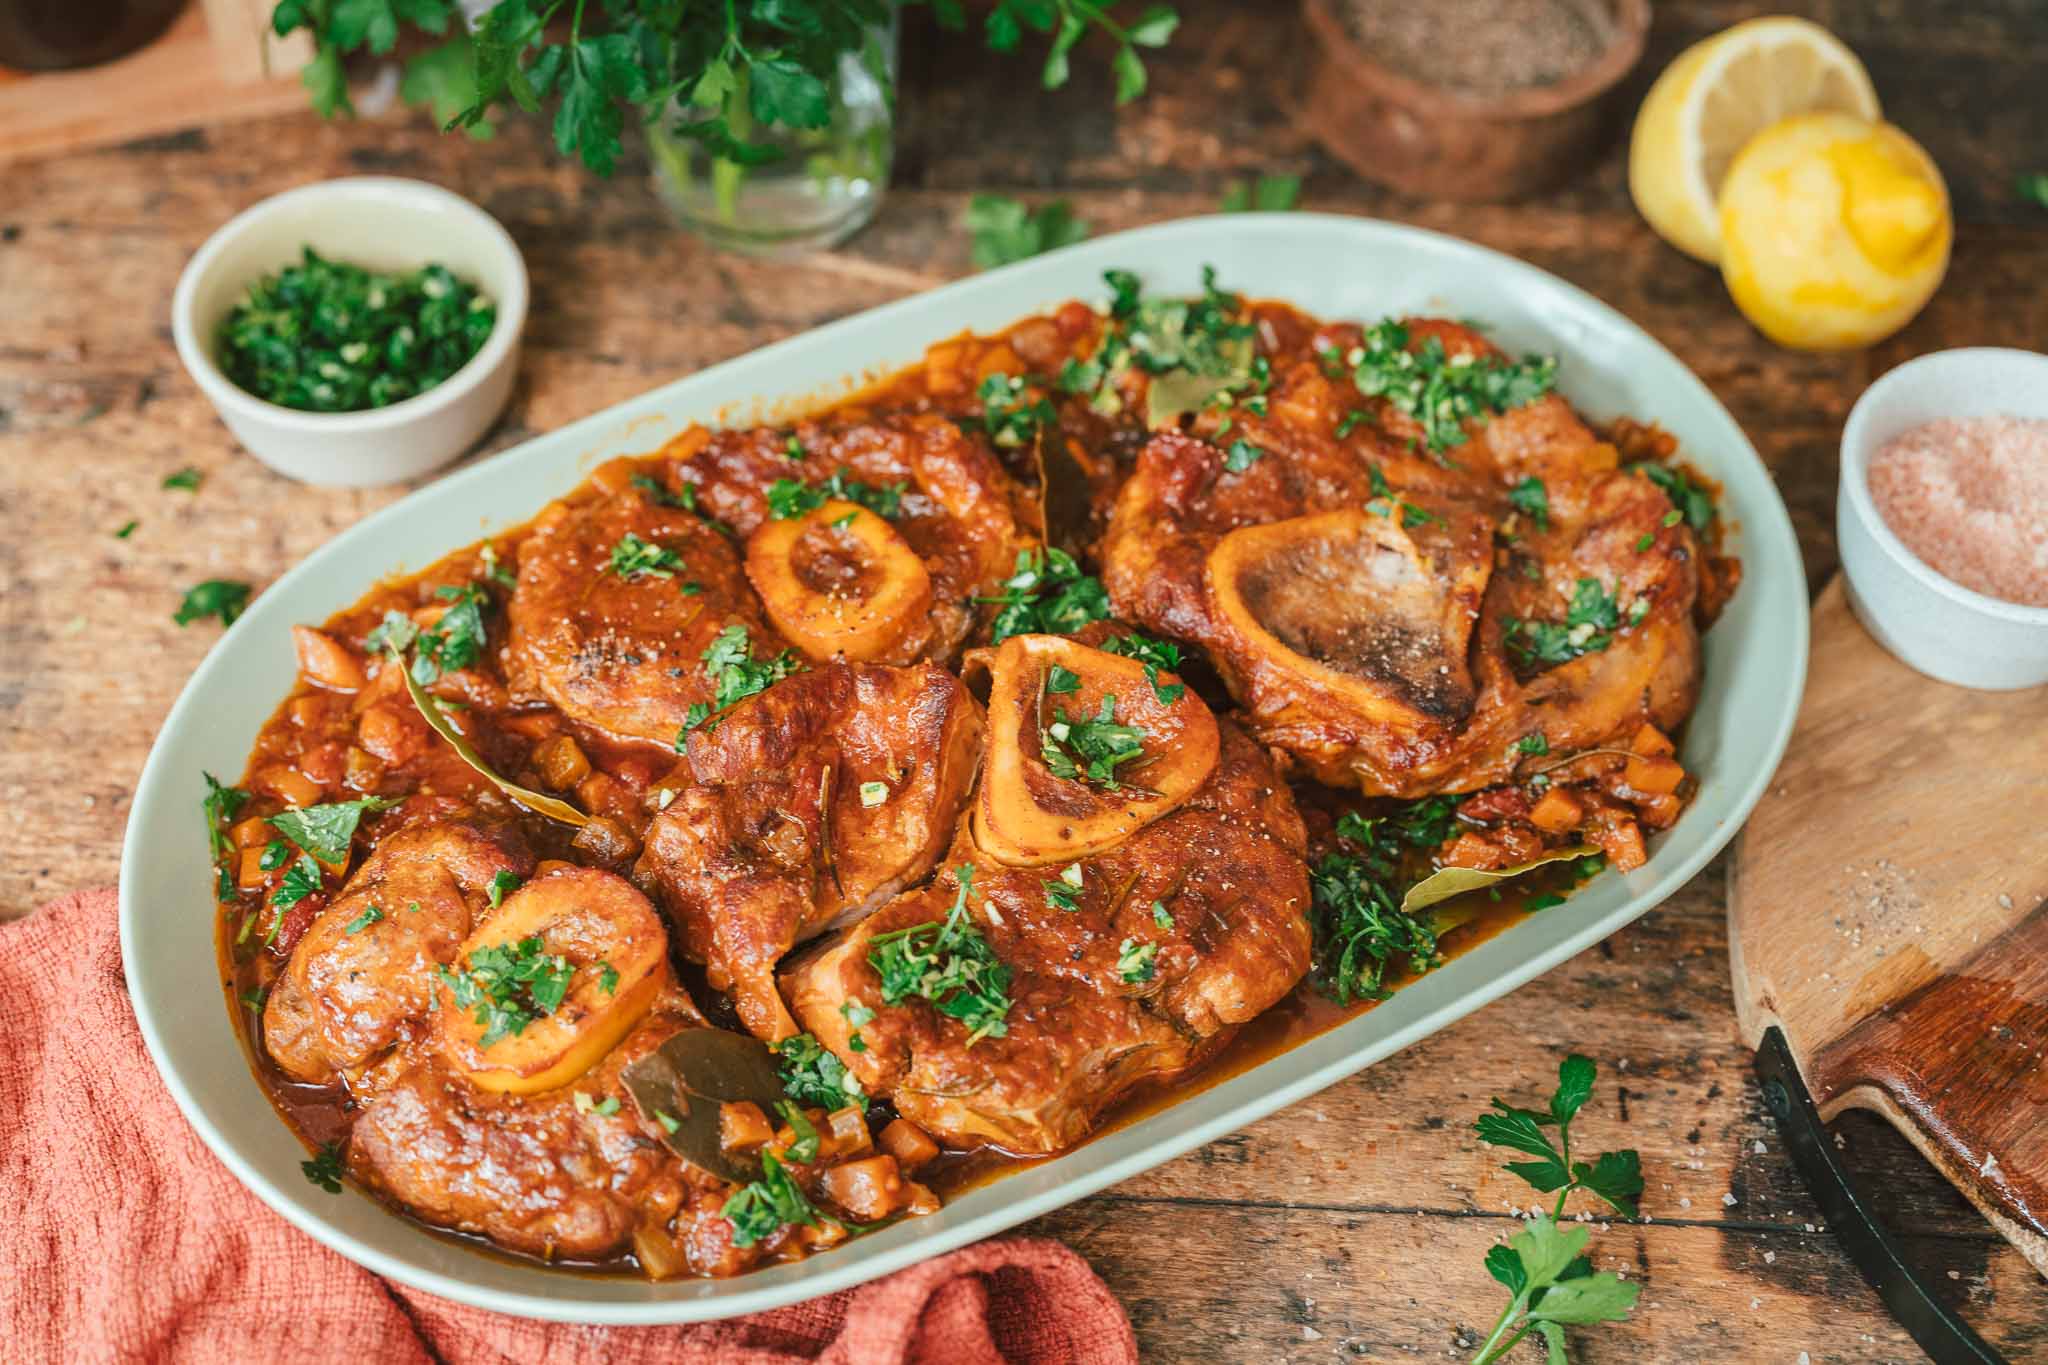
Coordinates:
(1970, 498)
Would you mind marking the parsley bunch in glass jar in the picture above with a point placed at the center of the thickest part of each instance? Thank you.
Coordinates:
(326, 336)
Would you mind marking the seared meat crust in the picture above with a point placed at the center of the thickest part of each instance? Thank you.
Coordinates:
(1087, 1023)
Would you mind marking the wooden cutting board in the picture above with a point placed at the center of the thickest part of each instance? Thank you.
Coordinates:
(1888, 910)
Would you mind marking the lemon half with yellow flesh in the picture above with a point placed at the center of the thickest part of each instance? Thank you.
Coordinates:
(1713, 99)
(1834, 232)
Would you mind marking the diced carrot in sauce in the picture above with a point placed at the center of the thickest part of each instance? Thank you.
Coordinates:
(1660, 812)
(560, 762)
(293, 787)
(870, 1189)
(998, 359)
(393, 735)
(688, 442)
(306, 712)
(1650, 740)
(547, 865)
(909, 1144)
(615, 475)
(942, 369)
(1658, 775)
(325, 662)
(1496, 848)
(253, 832)
(742, 1127)
(1599, 458)
(1557, 812)
(324, 763)
(1623, 845)
(249, 874)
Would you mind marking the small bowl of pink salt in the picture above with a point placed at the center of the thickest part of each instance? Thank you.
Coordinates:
(1942, 516)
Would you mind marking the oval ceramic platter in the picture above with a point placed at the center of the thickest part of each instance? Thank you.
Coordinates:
(1332, 266)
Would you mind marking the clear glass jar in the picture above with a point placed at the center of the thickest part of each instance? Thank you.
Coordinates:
(825, 187)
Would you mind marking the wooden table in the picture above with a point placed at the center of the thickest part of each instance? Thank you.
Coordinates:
(1351, 1226)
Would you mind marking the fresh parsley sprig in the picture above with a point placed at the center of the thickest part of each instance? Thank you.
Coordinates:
(1440, 391)
(790, 498)
(1358, 925)
(1589, 625)
(813, 1074)
(1157, 656)
(1551, 1282)
(742, 66)
(1003, 230)
(1091, 748)
(509, 985)
(729, 661)
(1013, 411)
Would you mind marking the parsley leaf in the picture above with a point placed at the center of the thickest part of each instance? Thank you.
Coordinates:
(949, 964)
(790, 498)
(186, 480)
(1137, 962)
(633, 557)
(503, 884)
(2033, 186)
(301, 880)
(1589, 625)
(812, 1074)
(1241, 456)
(1006, 230)
(1688, 499)
(1157, 656)
(371, 914)
(1532, 499)
(1267, 194)
(729, 661)
(1047, 595)
(1441, 392)
(326, 831)
(325, 1169)
(1090, 748)
(220, 597)
(456, 640)
(1010, 415)
(1355, 899)
(509, 985)
(766, 1206)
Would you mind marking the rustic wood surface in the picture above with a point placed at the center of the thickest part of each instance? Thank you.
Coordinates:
(1913, 982)
(1351, 1226)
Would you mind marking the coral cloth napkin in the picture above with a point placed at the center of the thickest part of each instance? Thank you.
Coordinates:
(124, 1239)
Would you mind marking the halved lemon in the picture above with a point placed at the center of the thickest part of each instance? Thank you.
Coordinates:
(1713, 99)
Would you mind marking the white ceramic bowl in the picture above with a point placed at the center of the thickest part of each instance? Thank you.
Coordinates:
(1755, 660)
(383, 223)
(1939, 627)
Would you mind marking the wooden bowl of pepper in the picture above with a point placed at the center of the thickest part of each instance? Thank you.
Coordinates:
(1468, 99)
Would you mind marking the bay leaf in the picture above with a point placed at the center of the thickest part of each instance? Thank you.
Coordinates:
(430, 710)
(1447, 882)
(679, 1087)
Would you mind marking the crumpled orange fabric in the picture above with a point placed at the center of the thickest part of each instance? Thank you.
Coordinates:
(123, 1239)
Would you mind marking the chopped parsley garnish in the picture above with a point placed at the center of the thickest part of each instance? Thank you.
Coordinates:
(393, 635)
(1589, 625)
(1061, 679)
(252, 1000)
(326, 831)
(633, 557)
(456, 640)
(220, 805)
(730, 663)
(812, 1074)
(1356, 916)
(1011, 416)
(1161, 916)
(1062, 895)
(1532, 499)
(606, 1107)
(1645, 541)
(1241, 456)
(607, 978)
(804, 1144)
(788, 498)
(1533, 744)
(1439, 391)
(220, 597)
(371, 914)
(186, 480)
(1688, 499)
(793, 449)
(325, 1169)
(503, 884)
(276, 854)
(1137, 962)
(324, 336)
(760, 1210)
(1091, 748)
(657, 493)
(1157, 656)
(949, 964)
(1351, 421)
(509, 985)
(1196, 350)
(301, 880)
(1005, 230)
(1047, 594)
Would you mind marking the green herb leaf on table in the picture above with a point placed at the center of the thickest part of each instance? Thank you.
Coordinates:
(1004, 230)
(215, 597)
(1267, 194)
(948, 964)
(186, 480)
(1550, 1281)
(2032, 186)
(1048, 594)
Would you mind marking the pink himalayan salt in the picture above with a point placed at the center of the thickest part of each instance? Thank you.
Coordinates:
(1970, 498)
